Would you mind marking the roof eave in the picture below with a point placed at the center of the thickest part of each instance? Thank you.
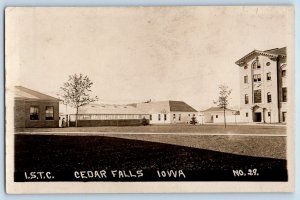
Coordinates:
(241, 61)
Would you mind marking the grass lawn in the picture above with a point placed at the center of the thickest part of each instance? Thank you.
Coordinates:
(259, 146)
(237, 129)
(62, 155)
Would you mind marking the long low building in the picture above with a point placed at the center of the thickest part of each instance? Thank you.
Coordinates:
(158, 112)
(109, 115)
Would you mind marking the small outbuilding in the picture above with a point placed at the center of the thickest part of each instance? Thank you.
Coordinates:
(216, 115)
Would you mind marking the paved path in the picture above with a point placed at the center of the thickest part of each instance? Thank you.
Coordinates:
(129, 133)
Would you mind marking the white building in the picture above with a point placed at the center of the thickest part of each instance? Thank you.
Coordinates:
(263, 86)
(168, 112)
(216, 115)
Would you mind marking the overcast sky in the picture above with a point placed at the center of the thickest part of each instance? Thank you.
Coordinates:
(135, 54)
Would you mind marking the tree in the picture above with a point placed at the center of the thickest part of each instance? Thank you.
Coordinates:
(76, 92)
(193, 120)
(223, 100)
(145, 121)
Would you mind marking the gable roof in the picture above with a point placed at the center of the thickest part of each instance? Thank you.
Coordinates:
(24, 93)
(181, 106)
(165, 107)
(109, 109)
(217, 109)
(272, 53)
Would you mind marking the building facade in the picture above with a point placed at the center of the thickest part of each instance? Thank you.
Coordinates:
(168, 112)
(263, 86)
(35, 109)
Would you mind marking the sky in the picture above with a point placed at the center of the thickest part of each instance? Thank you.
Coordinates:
(136, 54)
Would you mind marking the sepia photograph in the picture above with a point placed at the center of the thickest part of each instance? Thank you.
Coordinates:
(149, 99)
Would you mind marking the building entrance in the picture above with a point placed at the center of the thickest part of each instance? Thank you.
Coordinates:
(257, 117)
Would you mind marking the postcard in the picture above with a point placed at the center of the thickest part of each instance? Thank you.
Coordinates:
(149, 99)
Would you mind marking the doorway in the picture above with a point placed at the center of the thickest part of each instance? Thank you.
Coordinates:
(257, 117)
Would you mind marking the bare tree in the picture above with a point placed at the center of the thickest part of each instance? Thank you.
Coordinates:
(223, 100)
(76, 92)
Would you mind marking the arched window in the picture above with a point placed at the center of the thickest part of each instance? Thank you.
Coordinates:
(269, 97)
(254, 65)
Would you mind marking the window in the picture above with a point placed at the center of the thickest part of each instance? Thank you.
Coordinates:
(216, 116)
(257, 78)
(257, 96)
(165, 117)
(283, 73)
(269, 114)
(245, 67)
(254, 65)
(34, 113)
(268, 63)
(150, 117)
(254, 78)
(189, 114)
(158, 117)
(269, 97)
(258, 65)
(245, 79)
(246, 99)
(179, 117)
(246, 114)
(283, 116)
(49, 112)
(269, 76)
(284, 94)
(174, 116)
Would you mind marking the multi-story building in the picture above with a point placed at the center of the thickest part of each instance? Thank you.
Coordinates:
(263, 86)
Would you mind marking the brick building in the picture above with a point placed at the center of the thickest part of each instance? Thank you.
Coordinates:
(263, 86)
(34, 109)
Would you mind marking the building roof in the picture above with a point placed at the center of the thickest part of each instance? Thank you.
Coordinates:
(180, 106)
(273, 53)
(109, 109)
(217, 109)
(278, 51)
(24, 93)
(165, 107)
